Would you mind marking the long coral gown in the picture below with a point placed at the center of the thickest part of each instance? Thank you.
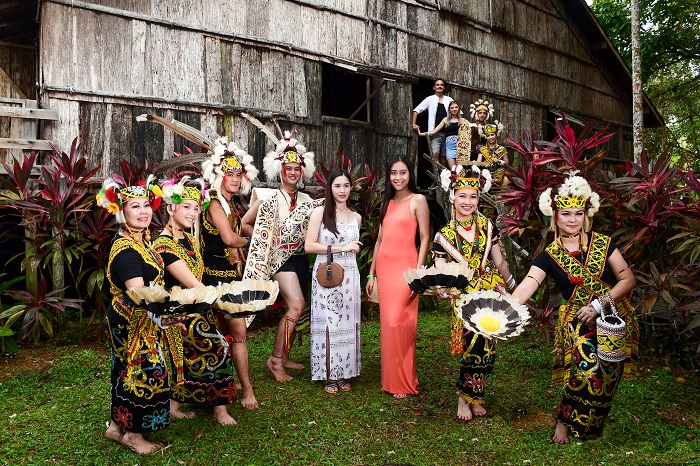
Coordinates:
(398, 314)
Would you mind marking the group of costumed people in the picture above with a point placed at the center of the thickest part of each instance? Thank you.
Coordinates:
(586, 266)
(478, 138)
(589, 271)
(160, 362)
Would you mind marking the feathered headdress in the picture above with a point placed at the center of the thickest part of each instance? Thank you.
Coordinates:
(113, 196)
(288, 151)
(481, 105)
(228, 157)
(574, 193)
(488, 128)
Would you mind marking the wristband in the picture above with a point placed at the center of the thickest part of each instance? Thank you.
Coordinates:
(342, 249)
(597, 306)
(247, 243)
(510, 283)
(371, 276)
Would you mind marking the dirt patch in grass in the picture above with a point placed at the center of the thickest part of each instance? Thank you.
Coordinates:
(532, 419)
(40, 358)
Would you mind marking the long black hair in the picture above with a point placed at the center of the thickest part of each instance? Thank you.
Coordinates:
(389, 190)
(329, 204)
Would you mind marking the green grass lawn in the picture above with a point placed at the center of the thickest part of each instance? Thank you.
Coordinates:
(58, 416)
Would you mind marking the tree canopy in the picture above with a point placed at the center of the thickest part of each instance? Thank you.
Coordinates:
(670, 67)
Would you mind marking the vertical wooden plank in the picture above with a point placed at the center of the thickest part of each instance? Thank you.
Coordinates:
(116, 54)
(143, 138)
(66, 127)
(56, 31)
(313, 91)
(92, 131)
(250, 77)
(213, 70)
(120, 137)
(140, 69)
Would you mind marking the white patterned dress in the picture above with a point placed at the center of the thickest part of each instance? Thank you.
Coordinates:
(338, 310)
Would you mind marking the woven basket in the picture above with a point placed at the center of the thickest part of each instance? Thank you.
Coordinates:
(611, 333)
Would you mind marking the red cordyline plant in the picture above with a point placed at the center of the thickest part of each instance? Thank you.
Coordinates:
(544, 165)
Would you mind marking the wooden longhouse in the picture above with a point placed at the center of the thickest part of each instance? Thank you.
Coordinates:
(344, 73)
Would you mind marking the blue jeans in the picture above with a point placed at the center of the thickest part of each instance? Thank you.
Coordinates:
(451, 147)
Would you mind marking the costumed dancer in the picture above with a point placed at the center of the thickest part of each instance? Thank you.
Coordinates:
(591, 274)
(492, 152)
(481, 112)
(335, 312)
(208, 372)
(285, 213)
(474, 239)
(403, 213)
(229, 171)
(140, 389)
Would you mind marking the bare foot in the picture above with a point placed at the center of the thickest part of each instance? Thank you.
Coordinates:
(477, 409)
(287, 364)
(464, 412)
(248, 400)
(222, 416)
(399, 396)
(561, 434)
(131, 440)
(177, 414)
(275, 366)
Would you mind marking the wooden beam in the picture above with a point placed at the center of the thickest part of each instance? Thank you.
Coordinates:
(32, 113)
(14, 86)
(367, 100)
(16, 45)
(25, 144)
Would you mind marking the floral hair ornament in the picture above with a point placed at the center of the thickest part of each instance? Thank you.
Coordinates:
(288, 150)
(490, 128)
(113, 196)
(481, 105)
(574, 193)
(175, 191)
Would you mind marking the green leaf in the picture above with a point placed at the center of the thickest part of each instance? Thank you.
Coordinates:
(46, 325)
(12, 310)
(6, 332)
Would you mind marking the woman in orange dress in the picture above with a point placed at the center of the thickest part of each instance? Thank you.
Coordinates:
(403, 213)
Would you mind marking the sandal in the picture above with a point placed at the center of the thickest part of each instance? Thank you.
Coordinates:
(344, 385)
(331, 387)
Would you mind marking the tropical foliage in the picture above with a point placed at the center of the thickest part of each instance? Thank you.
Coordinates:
(670, 68)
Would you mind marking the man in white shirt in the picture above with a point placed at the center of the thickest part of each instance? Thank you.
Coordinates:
(437, 106)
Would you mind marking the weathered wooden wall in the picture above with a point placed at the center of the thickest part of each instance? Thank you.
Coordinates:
(105, 61)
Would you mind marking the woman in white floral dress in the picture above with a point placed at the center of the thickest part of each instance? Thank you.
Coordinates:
(335, 312)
